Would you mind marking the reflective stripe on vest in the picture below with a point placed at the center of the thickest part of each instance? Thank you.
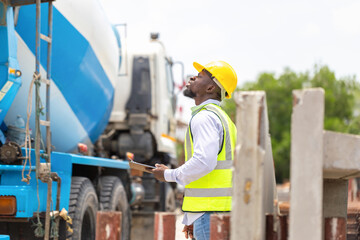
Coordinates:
(213, 191)
(228, 153)
(208, 192)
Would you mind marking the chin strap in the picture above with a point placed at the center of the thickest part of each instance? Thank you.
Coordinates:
(223, 91)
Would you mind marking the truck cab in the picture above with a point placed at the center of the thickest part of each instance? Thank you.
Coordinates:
(142, 120)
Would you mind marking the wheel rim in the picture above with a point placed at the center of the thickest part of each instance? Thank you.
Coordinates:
(170, 204)
(87, 231)
(118, 208)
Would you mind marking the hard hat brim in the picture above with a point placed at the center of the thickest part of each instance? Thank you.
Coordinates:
(198, 66)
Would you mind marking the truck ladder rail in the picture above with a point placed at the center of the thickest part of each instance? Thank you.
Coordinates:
(38, 121)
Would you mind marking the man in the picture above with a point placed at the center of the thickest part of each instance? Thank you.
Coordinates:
(209, 150)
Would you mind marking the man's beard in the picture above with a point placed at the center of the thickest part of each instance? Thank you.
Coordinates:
(188, 93)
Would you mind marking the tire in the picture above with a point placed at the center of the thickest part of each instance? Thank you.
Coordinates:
(167, 198)
(82, 209)
(170, 201)
(113, 197)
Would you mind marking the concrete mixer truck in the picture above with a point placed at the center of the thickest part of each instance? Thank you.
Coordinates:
(60, 165)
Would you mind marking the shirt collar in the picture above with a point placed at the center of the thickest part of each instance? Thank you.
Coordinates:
(197, 108)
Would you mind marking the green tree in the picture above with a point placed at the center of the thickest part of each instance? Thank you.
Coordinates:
(229, 106)
(341, 97)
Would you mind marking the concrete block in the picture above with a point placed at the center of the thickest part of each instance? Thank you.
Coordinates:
(164, 228)
(341, 155)
(108, 225)
(220, 226)
(335, 228)
(284, 226)
(271, 233)
(306, 200)
(276, 227)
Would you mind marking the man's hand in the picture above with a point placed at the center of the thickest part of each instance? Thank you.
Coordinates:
(188, 230)
(159, 172)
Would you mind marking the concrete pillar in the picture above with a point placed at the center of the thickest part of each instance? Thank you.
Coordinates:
(164, 228)
(108, 225)
(220, 227)
(306, 200)
(253, 176)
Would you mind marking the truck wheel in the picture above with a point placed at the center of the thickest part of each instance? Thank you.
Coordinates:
(82, 209)
(167, 198)
(170, 202)
(113, 198)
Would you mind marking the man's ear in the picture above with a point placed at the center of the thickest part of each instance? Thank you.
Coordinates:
(210, 88)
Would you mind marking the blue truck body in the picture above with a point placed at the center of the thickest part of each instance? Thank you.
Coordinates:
(62, 164)
(9, 83)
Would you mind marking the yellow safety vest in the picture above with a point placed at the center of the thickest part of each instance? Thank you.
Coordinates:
(212, 192)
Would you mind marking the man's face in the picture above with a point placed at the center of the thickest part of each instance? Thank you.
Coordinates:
(197, 85)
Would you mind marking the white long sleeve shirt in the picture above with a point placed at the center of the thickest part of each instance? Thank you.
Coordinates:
(207, 132)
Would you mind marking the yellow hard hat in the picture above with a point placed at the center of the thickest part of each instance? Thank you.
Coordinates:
(223, 72)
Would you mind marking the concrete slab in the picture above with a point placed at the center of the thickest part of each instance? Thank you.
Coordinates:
(341, 155)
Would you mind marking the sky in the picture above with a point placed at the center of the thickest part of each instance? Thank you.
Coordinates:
(252, 36)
